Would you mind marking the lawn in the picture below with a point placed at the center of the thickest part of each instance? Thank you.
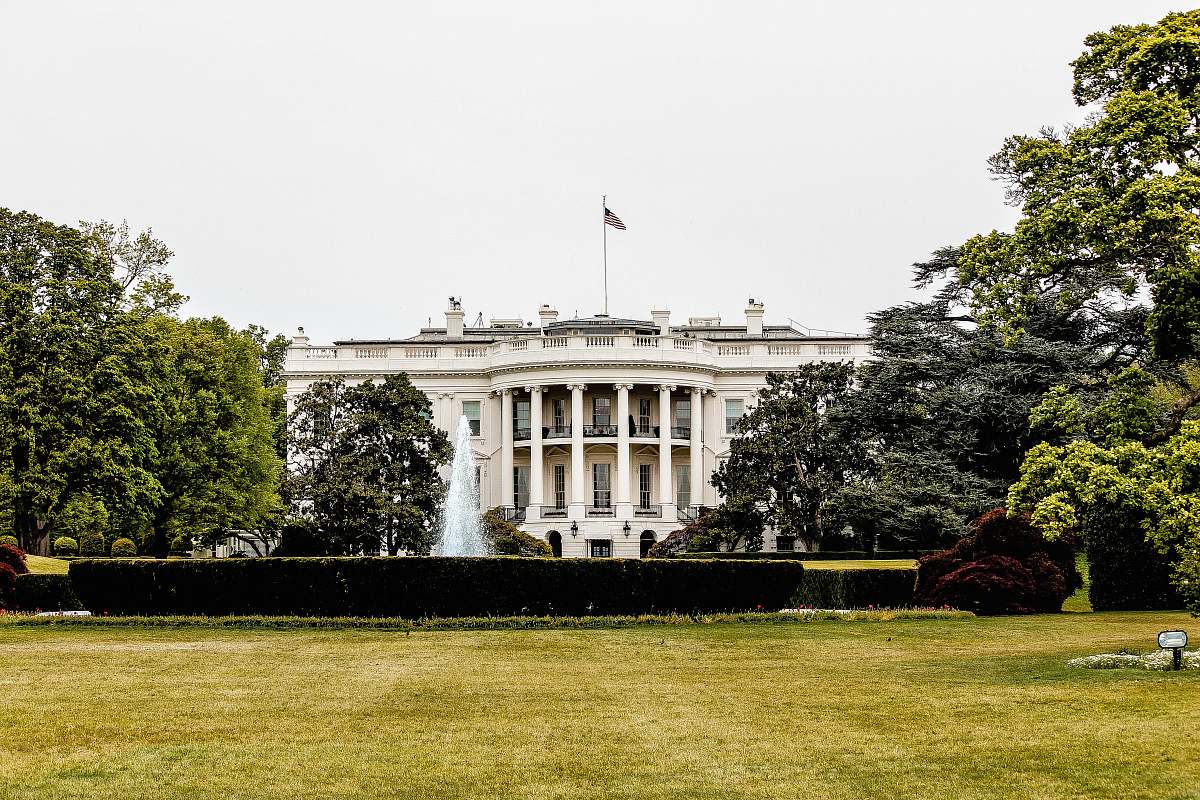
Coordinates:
(46, 566)
(969, 708)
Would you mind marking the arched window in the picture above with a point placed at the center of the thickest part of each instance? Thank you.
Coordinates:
(648, 540)
(555, 541)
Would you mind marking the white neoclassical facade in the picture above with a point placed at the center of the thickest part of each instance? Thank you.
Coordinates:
(596, 434)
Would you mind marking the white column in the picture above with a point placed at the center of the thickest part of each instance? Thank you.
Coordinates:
(665, 496)
(624, 509)
(577, 504)
(506, 447)
(697, 447)
(535, 453)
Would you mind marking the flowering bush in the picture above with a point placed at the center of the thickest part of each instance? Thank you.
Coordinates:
(10, 540)
(8, 585)
(1158, 660)
(1004, 567)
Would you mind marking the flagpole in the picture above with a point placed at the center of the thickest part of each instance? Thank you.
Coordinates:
(604, 226)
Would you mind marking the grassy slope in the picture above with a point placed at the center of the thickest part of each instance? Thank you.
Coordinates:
(47, 566)
(962, 709)
(882, 563)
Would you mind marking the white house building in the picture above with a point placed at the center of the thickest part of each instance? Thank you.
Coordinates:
(597, 435)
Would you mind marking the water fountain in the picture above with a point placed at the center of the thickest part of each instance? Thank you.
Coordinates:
(462, 533)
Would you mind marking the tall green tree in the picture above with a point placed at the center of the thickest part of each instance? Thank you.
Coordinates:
(77, 398)
(217, 462)
(794, 454)
(944, 402)
(1109, 209)
(365, 463)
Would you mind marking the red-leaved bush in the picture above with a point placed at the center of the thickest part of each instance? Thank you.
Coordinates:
(1005, 566)
(8, 586)
(14, 557)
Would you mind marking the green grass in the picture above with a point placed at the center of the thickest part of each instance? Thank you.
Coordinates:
(1079, 601)
(954, 708)
(46, 566)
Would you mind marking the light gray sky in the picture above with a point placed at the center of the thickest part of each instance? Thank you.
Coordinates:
(347, 166)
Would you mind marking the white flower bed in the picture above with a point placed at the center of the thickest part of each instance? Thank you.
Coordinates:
(1159, 659)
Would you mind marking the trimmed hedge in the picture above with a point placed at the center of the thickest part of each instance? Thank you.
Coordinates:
(816, 555)
(416, 587)
(857, 588)
(45, 593)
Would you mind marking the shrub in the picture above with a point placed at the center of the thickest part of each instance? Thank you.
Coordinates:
(8, 585)
(1126, 573)
(66, 546)
(816, 555)
(505, 539)
(45, 593)
(123, 548)
(91, 544)
(694, 535)
(10, 540)
(418, 586)
(1004, 566)
(14, 557)
(857, 588)
(181, 546)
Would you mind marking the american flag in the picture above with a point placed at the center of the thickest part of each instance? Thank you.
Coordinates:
(612, 219)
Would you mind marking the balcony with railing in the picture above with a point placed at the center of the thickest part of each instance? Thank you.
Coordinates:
(644, 431)
(681, 431)
(532, 349)
(556, 431)
(603, 510)
(522, 434)
(599, 430)
(513, 513)
(554, 512)
(647, 511)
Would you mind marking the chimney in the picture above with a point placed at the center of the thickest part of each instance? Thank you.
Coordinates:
(662, 321)
(299, 340)
(754, 317)
(547, 315)
(454, 318)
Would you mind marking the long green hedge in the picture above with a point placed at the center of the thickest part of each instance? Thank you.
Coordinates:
(802, 555)
(45, 593)
(857, 588)
(417, 587)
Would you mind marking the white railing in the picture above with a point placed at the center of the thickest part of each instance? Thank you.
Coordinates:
(470, 352)
(601, 341)
(554, 341)
(785, 349)
(321, 352)
(683, 344)
(420, 352)
(733, 349)
(518, 345)
(834, 350)
(370, 352)
(645, 341)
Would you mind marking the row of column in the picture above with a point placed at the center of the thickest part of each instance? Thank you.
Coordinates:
(623, 503)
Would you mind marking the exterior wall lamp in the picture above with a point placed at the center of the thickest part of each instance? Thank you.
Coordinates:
(626, 529)
(574, 529)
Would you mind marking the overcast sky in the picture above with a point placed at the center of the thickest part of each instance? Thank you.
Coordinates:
(347, 166)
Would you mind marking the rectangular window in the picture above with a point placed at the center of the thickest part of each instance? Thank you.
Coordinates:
(520, 487)
(785, 544)
(470, 410)
(602, 411)
(683, 485)
(521, 419)
(644, 485)
(644, 415)
(734, 409)
(600, 548)
(683, 415)
(559, 414)
(560, 486)
(601, 486)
